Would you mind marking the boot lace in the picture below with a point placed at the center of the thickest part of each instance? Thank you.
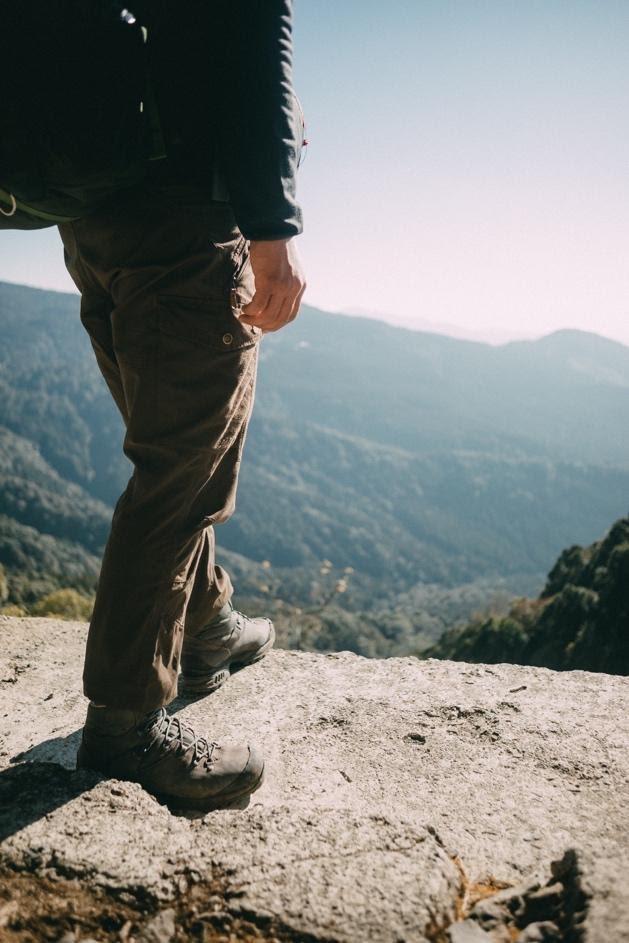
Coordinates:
(175, 731)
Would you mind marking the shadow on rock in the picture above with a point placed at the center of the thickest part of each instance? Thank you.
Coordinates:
(59, 750)
(30, 791)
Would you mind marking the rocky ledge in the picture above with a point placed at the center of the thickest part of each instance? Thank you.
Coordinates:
(404, 801)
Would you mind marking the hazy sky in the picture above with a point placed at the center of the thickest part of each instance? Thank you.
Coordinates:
(469, 164)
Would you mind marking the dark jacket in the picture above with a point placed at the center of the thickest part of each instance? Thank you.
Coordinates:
(222, 73)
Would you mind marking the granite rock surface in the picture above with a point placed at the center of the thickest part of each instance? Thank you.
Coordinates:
(404, 800)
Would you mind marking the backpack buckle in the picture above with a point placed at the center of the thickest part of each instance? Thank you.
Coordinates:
(13, 209)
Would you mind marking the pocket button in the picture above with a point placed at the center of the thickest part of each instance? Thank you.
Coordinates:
(228, 338)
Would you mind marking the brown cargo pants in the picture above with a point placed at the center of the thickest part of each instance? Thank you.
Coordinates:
(162, 278)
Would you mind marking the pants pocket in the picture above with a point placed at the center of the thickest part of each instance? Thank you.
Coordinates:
(209, 321)
(207, 364)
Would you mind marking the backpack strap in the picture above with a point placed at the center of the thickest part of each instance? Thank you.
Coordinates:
(18, 209)
(157, 143)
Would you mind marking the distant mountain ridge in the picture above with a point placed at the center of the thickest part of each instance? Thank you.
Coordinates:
(412, 458)
(493, 336)
(433, 392)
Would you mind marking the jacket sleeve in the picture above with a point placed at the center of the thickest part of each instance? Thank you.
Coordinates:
(260, 129)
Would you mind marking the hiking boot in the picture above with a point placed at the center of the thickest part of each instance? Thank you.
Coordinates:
(168, 758)
(229, 642)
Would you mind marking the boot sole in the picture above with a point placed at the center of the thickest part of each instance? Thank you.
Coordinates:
(215, 680)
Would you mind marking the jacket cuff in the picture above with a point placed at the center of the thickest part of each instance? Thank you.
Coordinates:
(271, 231)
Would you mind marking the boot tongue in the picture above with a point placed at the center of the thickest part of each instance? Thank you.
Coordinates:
(162, 729)
(184, 735)
(159, 722)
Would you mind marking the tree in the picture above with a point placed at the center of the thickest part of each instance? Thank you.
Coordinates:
(64, 604)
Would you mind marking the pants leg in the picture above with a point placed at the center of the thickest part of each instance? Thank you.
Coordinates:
(161, 284)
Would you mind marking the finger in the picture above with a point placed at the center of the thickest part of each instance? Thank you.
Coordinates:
(291, 309)
(271, 312)
(274, 323)
(273, 320)
(258, 304)
(257, 320)
(297, 303)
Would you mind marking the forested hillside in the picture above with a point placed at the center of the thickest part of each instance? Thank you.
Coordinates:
(394, 482)
(580, 620)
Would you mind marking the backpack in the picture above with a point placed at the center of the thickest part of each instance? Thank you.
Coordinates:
(78, 121)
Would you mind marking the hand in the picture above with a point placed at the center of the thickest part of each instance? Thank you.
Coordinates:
(280, 284)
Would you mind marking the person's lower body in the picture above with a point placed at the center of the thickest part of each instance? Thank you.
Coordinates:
(162, 278)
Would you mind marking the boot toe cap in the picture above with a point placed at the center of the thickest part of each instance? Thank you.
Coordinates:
(254, 770)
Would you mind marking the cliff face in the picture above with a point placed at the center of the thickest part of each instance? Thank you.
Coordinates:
(404, 801)
(581, 619)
